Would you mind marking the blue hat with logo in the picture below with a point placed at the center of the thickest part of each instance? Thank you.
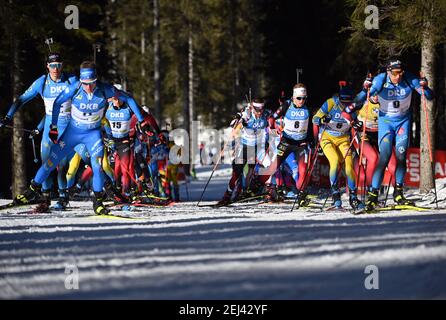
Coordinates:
(88, 75)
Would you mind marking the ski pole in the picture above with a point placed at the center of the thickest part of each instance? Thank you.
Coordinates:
(17, 128)
(429, 141)
(187, 190)
(218, 162)
(34, 150)
(363, 131)
(338, 172)
(307, 177)
(388, 186)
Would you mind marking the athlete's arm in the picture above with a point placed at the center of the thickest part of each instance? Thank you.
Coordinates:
(29, 94)
(377, 84)
(415, 83)
(132, 104)
(41, 124)
(64, 96)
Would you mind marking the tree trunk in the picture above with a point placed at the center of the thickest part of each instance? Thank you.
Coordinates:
(124, 56)
(143, 67)
(186, 120)
(427, 149)
(191, 99)
(19, 182)
(156, 60)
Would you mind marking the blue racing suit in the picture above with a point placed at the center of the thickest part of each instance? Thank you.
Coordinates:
(48, 89)
(394, 121)
(87, 111)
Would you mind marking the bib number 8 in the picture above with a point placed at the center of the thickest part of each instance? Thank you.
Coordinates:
(296, 124)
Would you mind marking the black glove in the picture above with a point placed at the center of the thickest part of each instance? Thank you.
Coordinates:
(357, 125)
(311, 144)
(282, 98)
(5, 121)
(34, 133)
(367, 83)
(325, 119)
(145, 127)
(162, 138)
(423, 82)
(53, 134)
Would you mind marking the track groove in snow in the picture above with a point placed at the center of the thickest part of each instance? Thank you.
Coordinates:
(241, 252)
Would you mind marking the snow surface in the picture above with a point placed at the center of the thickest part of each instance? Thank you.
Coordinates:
(246, 251)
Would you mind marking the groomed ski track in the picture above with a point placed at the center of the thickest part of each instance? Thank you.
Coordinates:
(246, 251)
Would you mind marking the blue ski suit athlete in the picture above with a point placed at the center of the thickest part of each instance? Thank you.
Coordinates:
(394, 120)
(87, 111)
(48, 89)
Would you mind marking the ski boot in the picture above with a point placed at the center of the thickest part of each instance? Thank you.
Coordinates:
(337, 203)
(44, 206)
(271, 194)
(147, 188)
(114, 193)
(355, 203)
(399, 198)
(62, 201)
(372, 201)
(226, 199)
(98, 203)
(302, 199)
(31, 195)
(74, 190)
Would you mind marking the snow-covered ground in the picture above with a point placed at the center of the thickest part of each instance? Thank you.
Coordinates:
(245, 251)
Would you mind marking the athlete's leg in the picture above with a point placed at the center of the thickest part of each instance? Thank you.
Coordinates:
(386, 137)
(347, 155)
(66, 144)
(334, 157)
(401, 146)
(93, 141)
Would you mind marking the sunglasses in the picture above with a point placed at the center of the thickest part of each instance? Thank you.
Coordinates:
(55, 65)
(258, 109)
(300, 98)
(396, 73)
(88, 83)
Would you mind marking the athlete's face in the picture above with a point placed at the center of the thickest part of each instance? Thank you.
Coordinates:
(116, 102)
(55, 70)
(299, 101)
(395, 75)
(89, 87)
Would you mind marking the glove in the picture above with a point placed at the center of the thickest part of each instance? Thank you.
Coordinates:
(325, 119)
(53, 134)
(144, 127)
(423, 82)
(233, 123)
(162, 138)
(311, 144)
(109, 144)
(34, 133)
(357, 125)
(367, 83)
(5, 121)
(282, 98)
